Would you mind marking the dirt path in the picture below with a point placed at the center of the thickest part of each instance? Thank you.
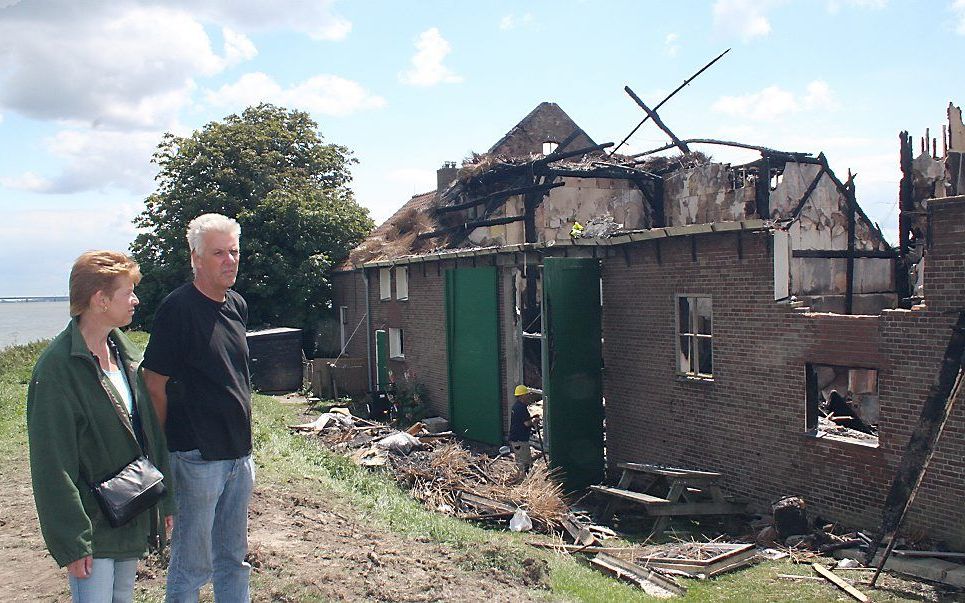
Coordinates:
(303, 547)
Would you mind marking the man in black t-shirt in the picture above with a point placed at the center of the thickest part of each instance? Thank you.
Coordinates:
(196, 370)
(521, 426)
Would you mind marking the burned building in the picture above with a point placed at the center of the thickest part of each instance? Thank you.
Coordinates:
(747, 319)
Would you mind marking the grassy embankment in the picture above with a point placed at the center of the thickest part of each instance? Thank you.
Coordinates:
(285, 459)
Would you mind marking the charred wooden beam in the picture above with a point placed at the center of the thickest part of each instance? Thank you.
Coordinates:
(656, 119)
(509, 192)
(470, 226)
(842, 253)
(762, 190)
(849, 285)
(796, 156)
(921, 446)
(668, 97)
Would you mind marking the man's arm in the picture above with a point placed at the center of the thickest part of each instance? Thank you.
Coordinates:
(156, 385)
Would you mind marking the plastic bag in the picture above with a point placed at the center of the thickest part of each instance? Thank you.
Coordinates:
(400, 442)
(520, 522)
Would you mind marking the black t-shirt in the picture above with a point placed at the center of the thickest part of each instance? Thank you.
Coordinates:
(518, 430)
(200, 344)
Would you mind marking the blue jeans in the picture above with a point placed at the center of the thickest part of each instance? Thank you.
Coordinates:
(210, 538)
(110, 580)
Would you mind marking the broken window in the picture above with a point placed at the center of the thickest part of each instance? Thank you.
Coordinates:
(342, 322)
(395, 343)
(402, 283)
(842, 402)
(549, 146)
(695, 351)
(385, 283)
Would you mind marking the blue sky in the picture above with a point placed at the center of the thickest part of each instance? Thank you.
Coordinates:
(87, 89)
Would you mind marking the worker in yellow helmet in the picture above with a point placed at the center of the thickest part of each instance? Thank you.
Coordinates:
(522, 425)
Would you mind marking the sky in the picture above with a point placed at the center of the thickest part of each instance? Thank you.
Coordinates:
(87, 89)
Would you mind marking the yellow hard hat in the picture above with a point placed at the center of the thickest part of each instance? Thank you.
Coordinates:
(521, 390)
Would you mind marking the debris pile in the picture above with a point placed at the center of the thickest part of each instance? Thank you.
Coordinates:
(447, 477)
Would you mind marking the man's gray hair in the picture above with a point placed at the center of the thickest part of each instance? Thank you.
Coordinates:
(206, 223)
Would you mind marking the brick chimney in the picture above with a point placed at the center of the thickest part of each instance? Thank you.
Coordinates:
(445, 175)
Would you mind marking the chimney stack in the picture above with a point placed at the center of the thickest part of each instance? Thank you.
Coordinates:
(445, 175)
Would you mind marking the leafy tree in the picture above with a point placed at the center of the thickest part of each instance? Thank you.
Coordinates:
(269, 169)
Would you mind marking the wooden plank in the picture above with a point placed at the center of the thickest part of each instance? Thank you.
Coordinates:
(656, 119)
(635, 573)
(638, 497)
(580, 533)
(840, 582)
(575, 548)
(947, 554)
(667, 471)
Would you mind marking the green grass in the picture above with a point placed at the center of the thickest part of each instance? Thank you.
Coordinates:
(287, 460)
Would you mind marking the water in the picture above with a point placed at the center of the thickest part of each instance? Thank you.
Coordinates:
(24, 322)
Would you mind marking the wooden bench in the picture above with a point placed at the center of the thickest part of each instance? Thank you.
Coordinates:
(689, 492)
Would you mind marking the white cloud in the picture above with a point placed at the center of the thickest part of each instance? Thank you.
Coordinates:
(774, 102)
(95, 159)
(315, 19)
(324, 94)
(120, 65)
(770, 103)
(819, 96)
(237, 47)
(834, 6)
(670, 45)
(746, 18)
(958, 7)
(426, 64)
(511, 21)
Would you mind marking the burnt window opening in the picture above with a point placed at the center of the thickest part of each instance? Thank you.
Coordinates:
(695, 350)
(842, 402)
(776, 176)
(740, 177)
(549, 146)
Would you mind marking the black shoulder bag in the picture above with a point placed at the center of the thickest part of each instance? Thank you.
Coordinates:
(138, 486)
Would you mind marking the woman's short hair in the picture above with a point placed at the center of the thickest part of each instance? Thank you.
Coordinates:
(206, 223)
(97, 271)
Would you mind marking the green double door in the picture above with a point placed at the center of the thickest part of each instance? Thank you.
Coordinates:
(572, 369)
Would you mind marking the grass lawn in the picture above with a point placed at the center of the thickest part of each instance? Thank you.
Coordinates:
(285, 459)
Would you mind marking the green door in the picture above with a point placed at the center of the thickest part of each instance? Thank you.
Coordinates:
(472, 347)
(381, 359)
(572, 376)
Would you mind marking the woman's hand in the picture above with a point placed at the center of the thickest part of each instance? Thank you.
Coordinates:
(169, 524)
(81, 568)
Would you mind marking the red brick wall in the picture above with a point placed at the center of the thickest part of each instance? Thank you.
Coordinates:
(749, 422)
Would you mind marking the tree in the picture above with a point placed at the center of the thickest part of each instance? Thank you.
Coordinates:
(269, 169)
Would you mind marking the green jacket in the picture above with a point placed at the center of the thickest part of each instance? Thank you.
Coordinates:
(80, 434)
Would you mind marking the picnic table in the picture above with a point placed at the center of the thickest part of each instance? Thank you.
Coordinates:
(689, 492)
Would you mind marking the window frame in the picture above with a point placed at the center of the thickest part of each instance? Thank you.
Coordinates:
(385, 284)
(402, 283)
(396, 343)
(693, 334)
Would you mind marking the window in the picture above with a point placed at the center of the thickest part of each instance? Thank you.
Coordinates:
(385, 283)
(549, 146)
(402, 282)
(842, 402)
(395, 343)
(342, 321)
(695, 351)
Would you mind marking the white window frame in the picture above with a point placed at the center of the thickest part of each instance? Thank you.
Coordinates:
(342, 321)
(396, 342)
(694, 336)
(385, 283)
(402, 283)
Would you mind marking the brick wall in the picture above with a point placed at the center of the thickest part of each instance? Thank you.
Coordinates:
(749, 422)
